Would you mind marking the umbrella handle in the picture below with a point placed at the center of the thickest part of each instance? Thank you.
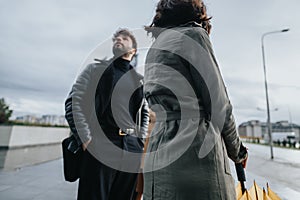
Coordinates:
(241, 175)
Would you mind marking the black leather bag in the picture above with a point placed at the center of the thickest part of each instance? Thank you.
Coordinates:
(72, 156)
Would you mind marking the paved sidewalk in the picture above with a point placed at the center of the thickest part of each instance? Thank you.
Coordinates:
(45, 181)
(40, 182)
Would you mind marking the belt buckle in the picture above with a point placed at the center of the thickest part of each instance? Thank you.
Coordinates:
(122, 133)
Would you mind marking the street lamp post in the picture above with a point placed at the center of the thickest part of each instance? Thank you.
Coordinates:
(266, 87)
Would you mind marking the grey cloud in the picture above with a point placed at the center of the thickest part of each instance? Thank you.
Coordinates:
(44, 43)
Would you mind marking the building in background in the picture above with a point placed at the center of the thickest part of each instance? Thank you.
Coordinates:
(281, 130)
(58, 120)
(53, 119)
(27, 119)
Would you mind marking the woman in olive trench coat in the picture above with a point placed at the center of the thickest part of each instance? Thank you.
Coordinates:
(195, 132)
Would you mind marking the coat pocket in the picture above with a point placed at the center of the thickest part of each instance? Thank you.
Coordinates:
(200, 136)
(225, 158)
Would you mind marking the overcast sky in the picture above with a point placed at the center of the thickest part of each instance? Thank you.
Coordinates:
(45, 43)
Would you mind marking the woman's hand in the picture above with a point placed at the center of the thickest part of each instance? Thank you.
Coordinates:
(244, 162)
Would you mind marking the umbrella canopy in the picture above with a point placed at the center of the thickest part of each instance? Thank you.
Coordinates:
(256, 193)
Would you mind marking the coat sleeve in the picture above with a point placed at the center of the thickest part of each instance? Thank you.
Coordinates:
(216, 90)
(70, 119)
(235, 149)
(81, 105)
(143, 119)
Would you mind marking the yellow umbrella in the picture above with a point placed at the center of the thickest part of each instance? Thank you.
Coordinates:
(256, 193)
(238, 191)
(245, 196)
(272, 194)
(265, 196)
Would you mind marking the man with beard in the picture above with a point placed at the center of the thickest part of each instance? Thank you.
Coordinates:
(107, 105)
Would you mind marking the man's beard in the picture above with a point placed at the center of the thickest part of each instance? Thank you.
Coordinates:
(120, 51)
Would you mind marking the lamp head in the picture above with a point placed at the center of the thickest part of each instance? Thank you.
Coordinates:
(285, 30)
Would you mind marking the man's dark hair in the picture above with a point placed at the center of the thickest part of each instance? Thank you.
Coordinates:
(127, 33)
(171, 13)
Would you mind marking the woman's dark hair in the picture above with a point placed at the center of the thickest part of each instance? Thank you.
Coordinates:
(127, 33)
(170, 13)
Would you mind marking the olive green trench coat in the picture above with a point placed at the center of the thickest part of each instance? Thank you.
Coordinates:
(195, 132)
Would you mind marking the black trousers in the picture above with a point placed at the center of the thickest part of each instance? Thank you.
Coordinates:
(100, 182)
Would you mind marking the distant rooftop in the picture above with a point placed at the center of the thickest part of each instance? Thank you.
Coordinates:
(279, 124)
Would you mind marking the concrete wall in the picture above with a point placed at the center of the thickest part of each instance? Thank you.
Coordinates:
(26, 156)
(5, 133)
(23, 136)
(27, 145)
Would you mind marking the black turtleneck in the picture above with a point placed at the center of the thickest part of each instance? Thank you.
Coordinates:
(110, 127)
(120, 66)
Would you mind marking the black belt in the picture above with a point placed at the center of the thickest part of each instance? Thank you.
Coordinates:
(111, 131)
(127, 131)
